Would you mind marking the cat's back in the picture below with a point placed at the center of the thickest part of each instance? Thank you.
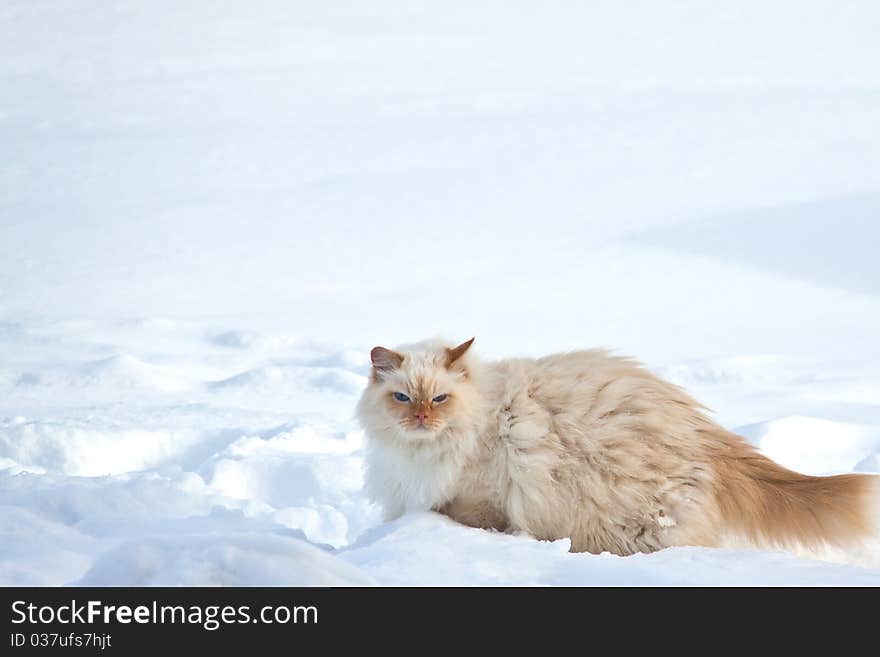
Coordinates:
(583, 387)
(562, 376)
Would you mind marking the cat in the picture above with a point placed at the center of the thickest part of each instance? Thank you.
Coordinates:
(586, 446)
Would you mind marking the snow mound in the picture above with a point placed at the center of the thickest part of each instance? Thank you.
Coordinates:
(39, 552)
(814, 445)
(751, 369)
(90, 448)
(302, 478)
(240, 560)
(121, 375)
(124, 371)
(275, 377)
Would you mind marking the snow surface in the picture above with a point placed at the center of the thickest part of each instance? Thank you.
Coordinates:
(209, 215)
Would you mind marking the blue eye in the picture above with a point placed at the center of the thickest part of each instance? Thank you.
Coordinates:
(399, 396)
(439, 399)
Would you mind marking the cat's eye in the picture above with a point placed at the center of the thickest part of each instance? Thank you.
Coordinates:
(399, 396)
(439, 399)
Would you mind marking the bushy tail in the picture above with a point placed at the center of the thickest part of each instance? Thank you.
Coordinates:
(774, 507)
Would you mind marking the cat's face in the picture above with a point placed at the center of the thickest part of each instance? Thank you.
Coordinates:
(416, 394)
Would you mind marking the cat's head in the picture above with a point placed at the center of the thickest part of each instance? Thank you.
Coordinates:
(416, 393)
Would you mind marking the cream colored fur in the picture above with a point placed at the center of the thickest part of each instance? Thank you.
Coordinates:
(587, 446)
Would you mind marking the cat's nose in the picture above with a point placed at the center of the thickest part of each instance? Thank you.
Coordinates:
(421, 416)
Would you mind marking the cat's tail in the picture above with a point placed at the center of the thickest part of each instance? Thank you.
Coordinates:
(773, 507)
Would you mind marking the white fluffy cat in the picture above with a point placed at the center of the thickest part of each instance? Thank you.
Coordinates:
(587, 446)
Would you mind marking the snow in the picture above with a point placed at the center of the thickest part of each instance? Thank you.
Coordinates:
(218, 560)
(397, 555)
(209, 216)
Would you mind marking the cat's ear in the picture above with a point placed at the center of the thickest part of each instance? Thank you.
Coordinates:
(384, 360)
(455, 353)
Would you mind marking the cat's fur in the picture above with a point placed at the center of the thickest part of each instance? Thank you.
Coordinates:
(591, 447)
